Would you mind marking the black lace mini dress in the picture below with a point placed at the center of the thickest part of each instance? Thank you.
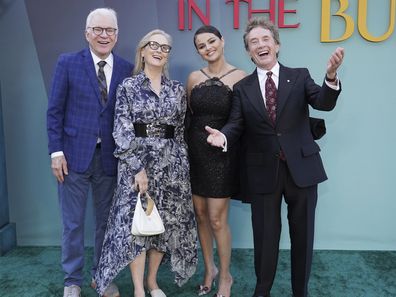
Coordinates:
(212, 171)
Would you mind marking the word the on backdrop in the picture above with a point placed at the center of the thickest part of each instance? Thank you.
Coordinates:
(276, 12)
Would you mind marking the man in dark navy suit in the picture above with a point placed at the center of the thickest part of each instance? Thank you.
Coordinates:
(80, 125)
(270, 115)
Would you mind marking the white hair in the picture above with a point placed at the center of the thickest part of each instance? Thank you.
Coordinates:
(101, 11)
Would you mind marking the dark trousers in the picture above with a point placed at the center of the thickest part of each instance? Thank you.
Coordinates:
(73, 195)
(266, 221)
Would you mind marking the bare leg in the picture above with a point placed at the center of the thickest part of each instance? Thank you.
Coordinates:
(154, 260)
(218, 215)
(205, 238)
(137, 271)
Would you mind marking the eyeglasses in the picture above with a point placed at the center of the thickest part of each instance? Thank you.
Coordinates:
(99, 30)
(165, 48)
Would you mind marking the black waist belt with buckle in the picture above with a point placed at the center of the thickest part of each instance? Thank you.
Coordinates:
(154, 130)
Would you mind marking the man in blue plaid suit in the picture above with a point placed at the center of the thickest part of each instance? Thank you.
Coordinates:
(80, 125)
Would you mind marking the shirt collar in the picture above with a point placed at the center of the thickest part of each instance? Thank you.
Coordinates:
(275, 71)
(142, 77)
(109, 60)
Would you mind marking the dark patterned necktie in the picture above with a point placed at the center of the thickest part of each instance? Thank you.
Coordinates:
(270, 97)
(102, 82)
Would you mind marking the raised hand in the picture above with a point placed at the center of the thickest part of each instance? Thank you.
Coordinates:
(334, 62)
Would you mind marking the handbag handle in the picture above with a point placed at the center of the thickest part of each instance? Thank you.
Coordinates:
(150, 203)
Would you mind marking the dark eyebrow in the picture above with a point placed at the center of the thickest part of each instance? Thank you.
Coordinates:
(210, 39)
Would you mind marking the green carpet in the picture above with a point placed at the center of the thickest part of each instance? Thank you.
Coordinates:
(36, 272)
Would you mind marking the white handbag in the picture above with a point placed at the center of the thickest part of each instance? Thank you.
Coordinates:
(146, 223)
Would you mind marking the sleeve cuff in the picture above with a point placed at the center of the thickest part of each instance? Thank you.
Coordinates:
(335, 87)
(225, 143)
(56, 154)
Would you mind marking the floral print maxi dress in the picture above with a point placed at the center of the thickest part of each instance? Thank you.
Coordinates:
(167, 169)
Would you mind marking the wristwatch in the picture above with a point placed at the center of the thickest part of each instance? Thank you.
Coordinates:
(330, 79)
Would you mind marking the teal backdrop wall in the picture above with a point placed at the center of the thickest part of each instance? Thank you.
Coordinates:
(357, 205)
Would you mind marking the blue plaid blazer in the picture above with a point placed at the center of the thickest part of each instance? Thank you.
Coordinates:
(75, 115)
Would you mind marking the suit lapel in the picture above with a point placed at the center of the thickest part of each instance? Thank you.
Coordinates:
(115, 77)
(287, 80)
(255, 96)
(90, 70)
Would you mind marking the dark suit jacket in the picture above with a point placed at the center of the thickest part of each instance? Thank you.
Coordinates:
(76, 117)
(261, 142)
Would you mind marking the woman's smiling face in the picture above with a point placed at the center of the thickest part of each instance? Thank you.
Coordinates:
(209, 46)
(156, 57)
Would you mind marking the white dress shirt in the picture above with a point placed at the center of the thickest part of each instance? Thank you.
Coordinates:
(262, 77)
(108, 68)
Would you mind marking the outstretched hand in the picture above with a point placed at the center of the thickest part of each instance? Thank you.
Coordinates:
(215, 137)
(334, 62)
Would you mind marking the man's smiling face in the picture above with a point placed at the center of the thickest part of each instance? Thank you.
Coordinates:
(101, 44)
(262, 48)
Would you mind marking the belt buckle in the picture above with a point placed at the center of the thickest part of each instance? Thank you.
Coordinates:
(154, 130)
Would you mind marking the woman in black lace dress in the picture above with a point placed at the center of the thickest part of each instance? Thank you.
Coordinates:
(212, 170)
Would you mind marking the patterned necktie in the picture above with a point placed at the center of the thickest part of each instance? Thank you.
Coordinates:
(102, 82)
(270, 97)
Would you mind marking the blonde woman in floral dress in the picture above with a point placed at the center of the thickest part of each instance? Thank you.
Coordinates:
(152, 153)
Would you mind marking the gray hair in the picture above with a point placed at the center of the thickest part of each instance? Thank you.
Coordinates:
(263, 23)
(139, 63)
(102, 11)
